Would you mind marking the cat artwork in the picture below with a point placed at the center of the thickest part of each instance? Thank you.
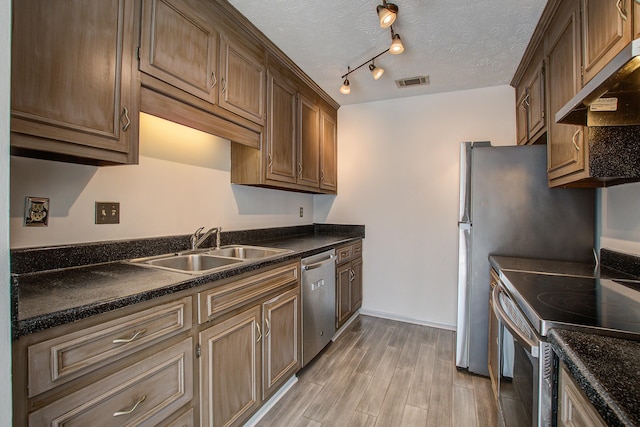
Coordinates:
(37, 212)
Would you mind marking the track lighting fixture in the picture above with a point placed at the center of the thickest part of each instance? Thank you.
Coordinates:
(396, 44)
(376, 72)
(387, 13)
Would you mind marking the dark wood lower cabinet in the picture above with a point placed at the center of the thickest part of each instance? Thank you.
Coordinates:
(348, 282)
(230, 369)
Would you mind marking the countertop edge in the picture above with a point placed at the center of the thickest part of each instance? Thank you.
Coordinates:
(604, 403)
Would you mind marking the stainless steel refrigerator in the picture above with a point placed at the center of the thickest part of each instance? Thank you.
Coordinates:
(507, 208)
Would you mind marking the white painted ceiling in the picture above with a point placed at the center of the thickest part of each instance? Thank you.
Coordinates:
(459, 44)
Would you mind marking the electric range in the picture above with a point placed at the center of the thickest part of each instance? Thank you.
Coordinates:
(597, 305)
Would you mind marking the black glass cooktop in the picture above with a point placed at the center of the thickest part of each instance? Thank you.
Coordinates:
(599, 305)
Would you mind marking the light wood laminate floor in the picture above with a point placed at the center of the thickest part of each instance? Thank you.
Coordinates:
(381, 372)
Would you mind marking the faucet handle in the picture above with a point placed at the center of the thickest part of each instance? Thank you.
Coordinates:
(198, 232)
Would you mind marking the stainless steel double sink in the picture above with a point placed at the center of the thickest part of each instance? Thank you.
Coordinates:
(202, 261)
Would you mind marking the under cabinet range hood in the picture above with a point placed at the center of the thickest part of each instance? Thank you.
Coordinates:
(611, 97)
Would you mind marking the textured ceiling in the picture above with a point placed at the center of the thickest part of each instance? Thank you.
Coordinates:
(461, 44)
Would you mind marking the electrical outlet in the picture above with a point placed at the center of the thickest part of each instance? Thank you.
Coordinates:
(107, 213)
(36, 212)
(301, 211)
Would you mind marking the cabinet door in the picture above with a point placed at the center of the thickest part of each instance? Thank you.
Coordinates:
(636, 20)
(329, 152)
(356, 284)
(343, 293)
(242, 80)
(574, 409)
(281, 350)
(309, 142)
(607, 30)
(535, 101)
(522, 125)
(73, 91)
(230, 370)
(179, 47)
(565, 144)
(281, 138)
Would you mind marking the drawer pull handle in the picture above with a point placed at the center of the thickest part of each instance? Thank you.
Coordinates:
(125, 114)
(119, 413)
(266, 334)
(259, 333)
(135, 336)
(575, 144)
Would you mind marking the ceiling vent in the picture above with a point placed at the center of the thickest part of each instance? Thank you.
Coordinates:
(413, 81)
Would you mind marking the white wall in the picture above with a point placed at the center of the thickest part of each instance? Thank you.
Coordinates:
(619, 218)
(5, 312)
(398, 171)
(181, 183)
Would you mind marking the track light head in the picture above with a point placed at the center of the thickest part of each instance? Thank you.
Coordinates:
(387, 13)
(376, 72)
(345, 89)
(396, 44)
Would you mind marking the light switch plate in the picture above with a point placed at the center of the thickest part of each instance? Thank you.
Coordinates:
(36, 212)
(107, 213)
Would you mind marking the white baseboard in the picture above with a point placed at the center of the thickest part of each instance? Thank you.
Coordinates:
(399, 318)
(271, 402)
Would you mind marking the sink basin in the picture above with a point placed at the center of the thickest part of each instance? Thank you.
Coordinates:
(247, 252)
(191, 263)
(208, 260)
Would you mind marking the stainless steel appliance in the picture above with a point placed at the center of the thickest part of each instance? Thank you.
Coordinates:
(527, 305)
(506, 208)
(318, 303)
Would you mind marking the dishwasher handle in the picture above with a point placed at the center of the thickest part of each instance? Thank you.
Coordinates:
(319, 264)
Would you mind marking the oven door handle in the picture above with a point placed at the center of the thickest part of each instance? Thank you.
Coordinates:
(529, 345)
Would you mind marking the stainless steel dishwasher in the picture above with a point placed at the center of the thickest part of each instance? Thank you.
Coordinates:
(318, 303)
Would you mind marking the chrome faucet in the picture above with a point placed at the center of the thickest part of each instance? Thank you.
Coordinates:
(197, 238)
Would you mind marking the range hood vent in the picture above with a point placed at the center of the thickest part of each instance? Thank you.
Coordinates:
(611, 97)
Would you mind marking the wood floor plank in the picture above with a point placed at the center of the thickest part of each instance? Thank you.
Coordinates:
(422, 380)
(486, 408)
(374, 354)
(445, 346)
(409, 354)
(292, 405)
(362, 420)
(463, 407)
(374, 395)
(462, 379)
(343, 410)
(392, 408)
(337, 383)
(441, 395)
(328, 362)
(306, 422)
(414, 416)
(399, 338)
(430, 336)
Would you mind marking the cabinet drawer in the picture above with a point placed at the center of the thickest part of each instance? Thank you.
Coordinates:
(216, 301)
(344, 254)
(142, 394)
(184, 420)
(59, 360)
(347, 253)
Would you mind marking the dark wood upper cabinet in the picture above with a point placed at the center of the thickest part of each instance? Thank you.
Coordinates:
(74, 93)
(606, 30)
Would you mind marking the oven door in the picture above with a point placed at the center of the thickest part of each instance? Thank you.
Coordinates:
(525, 388)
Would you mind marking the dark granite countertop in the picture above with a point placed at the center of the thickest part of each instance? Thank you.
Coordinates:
(44, 299)
(607, 370)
